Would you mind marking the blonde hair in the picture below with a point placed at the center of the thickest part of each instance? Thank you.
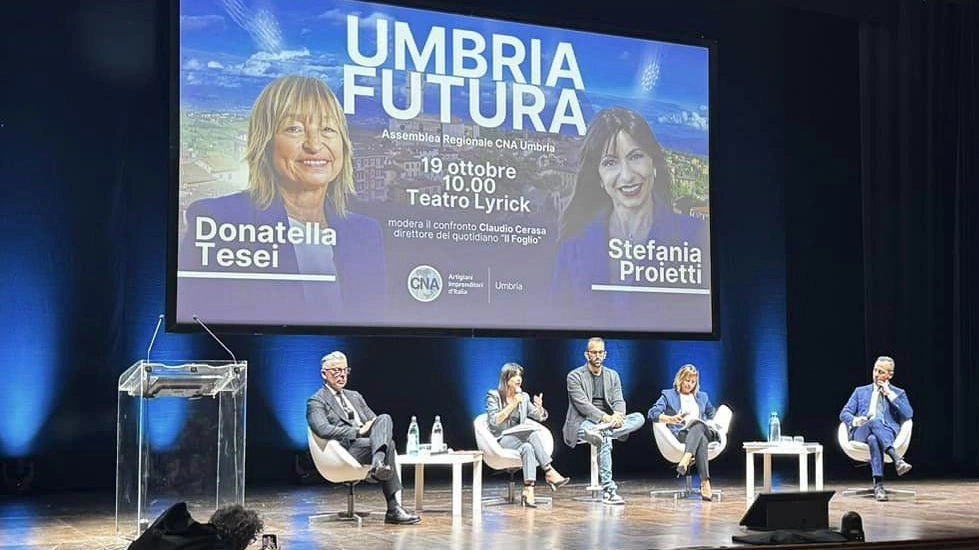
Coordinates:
(685, 372)
(302, 96)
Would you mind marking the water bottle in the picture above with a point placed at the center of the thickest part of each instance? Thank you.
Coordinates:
(437, 435)
(412, 446)
(774, 428)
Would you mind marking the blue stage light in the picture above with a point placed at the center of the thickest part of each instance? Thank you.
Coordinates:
(768, 360)
(621, 358)
(481, 360)
(290, 373)
(166, 416)
(30, 351)
(706, 356)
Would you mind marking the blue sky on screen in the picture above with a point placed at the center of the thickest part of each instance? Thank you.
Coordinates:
(230, 49)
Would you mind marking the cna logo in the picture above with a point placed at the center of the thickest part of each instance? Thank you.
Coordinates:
(424, 283)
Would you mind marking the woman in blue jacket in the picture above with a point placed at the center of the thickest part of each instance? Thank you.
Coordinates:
(687, 411)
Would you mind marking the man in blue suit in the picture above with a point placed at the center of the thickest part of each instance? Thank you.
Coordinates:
(874, 414)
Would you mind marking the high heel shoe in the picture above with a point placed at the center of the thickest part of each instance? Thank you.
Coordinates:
(555, 480)
(559, 483)
(684, 465)
(706, 494)
(527, 497)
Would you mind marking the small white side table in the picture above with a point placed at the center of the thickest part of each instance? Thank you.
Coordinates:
(455, 459)
(766, 449)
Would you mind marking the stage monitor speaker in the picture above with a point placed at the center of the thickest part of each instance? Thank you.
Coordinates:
(797, 510)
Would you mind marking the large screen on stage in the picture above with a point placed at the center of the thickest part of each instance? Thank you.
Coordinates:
(350, 164)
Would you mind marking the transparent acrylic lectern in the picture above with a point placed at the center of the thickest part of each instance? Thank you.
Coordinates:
(180, 437)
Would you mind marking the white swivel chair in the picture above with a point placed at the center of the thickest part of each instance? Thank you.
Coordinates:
(672, 450)
(861, 453)
(507, 460)
(337, 465)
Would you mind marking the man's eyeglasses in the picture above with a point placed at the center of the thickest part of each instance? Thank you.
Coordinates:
(337, 371)
(596, 352)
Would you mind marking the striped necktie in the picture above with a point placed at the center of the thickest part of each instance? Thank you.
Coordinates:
(350, 412)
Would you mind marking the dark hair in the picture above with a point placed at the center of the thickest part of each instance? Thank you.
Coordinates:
(588, 197)
(237, 526)
(508, 371)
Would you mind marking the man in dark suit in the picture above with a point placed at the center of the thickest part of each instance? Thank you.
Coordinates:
(597, 414)
(337, 413)
(874, 414)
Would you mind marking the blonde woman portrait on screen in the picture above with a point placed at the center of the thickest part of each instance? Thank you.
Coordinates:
(300, 180)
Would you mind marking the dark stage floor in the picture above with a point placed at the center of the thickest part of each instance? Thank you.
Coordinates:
(942, 509)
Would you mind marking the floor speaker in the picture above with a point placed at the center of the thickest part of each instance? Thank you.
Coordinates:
(797, 510)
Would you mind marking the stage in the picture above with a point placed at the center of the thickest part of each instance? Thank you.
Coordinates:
(942, 513)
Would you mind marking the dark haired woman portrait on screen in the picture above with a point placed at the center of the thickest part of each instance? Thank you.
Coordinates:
(299, 255)
(620, 229)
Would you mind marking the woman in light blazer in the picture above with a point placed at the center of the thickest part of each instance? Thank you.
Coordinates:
(676, 407)
(508, 406)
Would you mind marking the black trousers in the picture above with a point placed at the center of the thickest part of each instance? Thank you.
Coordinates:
(695, 441)
(379, 439)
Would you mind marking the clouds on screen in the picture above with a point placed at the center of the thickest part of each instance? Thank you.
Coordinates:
(691, 119)
(229, 71)
(195, 23)
(337, 16)
(261, 24)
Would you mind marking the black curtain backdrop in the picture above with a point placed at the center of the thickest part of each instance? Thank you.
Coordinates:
(918, 130)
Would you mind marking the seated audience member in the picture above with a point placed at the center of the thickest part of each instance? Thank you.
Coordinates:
(230, 528)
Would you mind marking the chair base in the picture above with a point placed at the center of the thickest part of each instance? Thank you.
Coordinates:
(900, 494)
(511, 497)
(684, 491)
(681, 494)
(594, 487)
(503, 500)
(350, 514)
(340, 516)
(594, 494)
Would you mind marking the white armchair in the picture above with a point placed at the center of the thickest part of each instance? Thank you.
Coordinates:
(672, 449)
(860, 452)
(334, 463)
(507, 460)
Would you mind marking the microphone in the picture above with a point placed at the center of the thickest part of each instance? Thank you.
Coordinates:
(156, 331)
(216, 339)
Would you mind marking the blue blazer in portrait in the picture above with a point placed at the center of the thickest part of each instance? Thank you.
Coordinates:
(894, 413)
(358, 255)
(583, 260)
(669, 404)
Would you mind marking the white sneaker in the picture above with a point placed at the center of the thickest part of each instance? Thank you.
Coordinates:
(612, 498)
(593, 438)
